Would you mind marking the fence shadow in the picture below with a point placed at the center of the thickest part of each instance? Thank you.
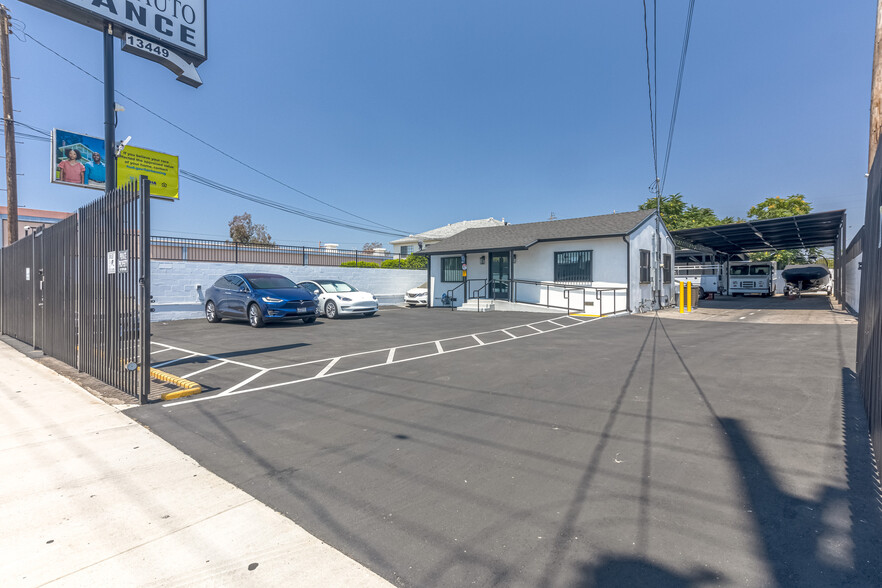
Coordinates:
(834, 540)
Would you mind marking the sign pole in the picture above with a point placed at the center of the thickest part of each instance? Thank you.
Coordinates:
(109, 106)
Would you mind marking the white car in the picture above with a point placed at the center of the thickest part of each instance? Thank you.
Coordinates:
(336, 298)
(417, 296)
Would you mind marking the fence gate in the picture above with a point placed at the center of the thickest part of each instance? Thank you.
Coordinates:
(79, 290)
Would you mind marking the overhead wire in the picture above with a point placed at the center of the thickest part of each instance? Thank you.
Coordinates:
(397, 232)
(280, 206)
(45, 136)
(652, 124)
(677, 92)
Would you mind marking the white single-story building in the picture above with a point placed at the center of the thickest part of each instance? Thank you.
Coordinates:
(596, 265)
(414, 243)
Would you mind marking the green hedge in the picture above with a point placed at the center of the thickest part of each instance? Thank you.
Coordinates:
(410, 262)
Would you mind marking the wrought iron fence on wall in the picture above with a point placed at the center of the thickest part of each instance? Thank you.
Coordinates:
(869, 344)
(79, 290)
(185, 249)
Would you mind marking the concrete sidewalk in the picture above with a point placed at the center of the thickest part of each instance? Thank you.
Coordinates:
(89, 497)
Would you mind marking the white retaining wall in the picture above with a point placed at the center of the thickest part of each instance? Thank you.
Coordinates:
(176, 296)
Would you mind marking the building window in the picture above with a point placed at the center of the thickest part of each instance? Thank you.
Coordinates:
(644, 267)
(666, 259)
(451, 269)
(572, 266)
(406, 249)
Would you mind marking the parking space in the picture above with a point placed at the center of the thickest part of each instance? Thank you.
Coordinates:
(619, 451)
(809, 308)
(217, 356)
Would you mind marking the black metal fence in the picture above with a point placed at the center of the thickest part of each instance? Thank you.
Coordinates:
(185, 249)
(869, 344)
(855, 248)
(58, 310)
(79, 290)
(17, 283)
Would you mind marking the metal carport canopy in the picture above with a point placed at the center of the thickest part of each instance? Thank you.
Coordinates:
(820, 229)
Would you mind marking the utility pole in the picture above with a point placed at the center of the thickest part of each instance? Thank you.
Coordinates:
(9, 131)
(876, 90)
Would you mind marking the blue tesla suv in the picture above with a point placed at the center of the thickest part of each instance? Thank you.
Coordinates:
(259, 298)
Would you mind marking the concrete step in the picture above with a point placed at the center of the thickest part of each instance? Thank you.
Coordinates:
(475, 306)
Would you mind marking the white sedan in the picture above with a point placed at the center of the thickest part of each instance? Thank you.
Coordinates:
(336, 298)
(418, 296)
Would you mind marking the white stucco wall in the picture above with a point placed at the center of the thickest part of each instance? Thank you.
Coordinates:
(609, 266)
(474, 271)
(853, 283)
(173, 283)
(645, 238)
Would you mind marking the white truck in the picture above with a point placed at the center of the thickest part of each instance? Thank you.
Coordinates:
(751, 277)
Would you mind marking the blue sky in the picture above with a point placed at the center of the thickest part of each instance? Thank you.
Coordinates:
(418, 114)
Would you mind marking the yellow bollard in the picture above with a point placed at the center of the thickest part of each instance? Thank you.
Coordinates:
(681, 297)
(689, 296)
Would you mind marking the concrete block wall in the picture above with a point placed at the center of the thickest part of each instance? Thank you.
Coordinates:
(176, 296)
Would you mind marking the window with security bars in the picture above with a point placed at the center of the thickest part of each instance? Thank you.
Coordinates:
(451, 269)
(572, 266)
(666, 273)
(644, 266)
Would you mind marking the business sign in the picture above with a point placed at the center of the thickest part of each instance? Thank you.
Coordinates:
(160, 168)
(177, 24)
(185, 70)
(78, 160)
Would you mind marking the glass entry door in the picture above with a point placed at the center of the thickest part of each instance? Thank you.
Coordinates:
(500, 274)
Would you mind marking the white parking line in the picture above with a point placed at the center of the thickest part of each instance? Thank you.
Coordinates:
(159, 365)
(390, 359)
(327, 368)
(160, 350)
(240, 384)
(205, 369)
(509, 334)
(248, 365)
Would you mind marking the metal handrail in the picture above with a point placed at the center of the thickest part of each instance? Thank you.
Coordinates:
(450, 293)
(566, 294)
(483, 292)
(476, 293)
(598, 294)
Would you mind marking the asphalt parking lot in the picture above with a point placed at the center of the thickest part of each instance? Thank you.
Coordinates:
(441, 448)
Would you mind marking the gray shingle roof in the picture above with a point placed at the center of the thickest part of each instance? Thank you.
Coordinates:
(522, 236)
(449, 230)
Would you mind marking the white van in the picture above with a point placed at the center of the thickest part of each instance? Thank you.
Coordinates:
(751, 277)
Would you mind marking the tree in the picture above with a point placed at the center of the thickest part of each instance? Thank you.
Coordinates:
(369, 247)
(677, 214)
(242, 230)
(778, 207)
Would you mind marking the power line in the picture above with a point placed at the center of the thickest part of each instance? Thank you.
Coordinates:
(252, 197)
(677, 93)
(649, 86)
(224, 153)
(283, 207)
